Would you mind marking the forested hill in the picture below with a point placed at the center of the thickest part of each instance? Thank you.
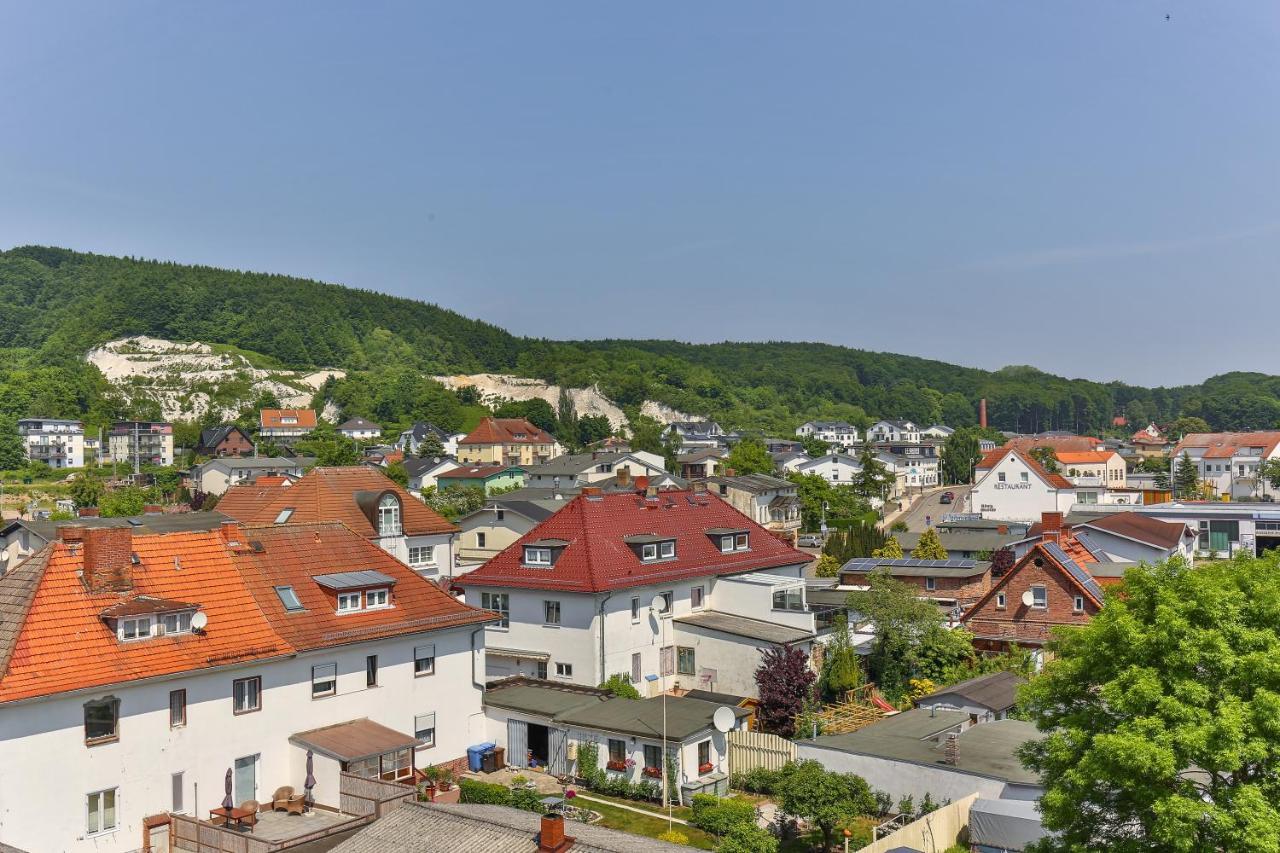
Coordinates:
(56, 304)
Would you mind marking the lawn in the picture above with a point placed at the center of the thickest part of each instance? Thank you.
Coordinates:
(621, 819)
(681, 812)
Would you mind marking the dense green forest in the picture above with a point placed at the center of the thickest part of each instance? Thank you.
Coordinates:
(56, 304)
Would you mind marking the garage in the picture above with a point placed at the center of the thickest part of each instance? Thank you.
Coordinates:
(1266, 536)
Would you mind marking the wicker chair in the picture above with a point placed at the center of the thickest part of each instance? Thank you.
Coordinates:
(285, 800)
(251, 806)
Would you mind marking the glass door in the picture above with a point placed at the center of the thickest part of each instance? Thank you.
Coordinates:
(246, 779)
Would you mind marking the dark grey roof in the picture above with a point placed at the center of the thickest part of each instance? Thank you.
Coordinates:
(685, 717)
(971, 541)
(431, 827)
(572, 464)
(151, 523)
(756, 484)
(1082, 577)
(358, 423)
(743, 626)
(718, 698)
(911, 567)
(416, 467)
(420, 430)
(997, 691)
(17, 590)
(532, 510)
(213, 436)
(257, 462)
(541, 698)
(354, 580)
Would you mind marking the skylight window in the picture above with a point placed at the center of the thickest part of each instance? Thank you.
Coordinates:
(284, 515)
(289, 598)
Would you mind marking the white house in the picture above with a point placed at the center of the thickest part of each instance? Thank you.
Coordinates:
(150, 443)
(938, 431)
(903, 431)
(285, 424)
(771, 502)
(58, 443)
(695, 433)
(423, 472)
(177, 658)
(359, 429)
(1092, 467)
(217, 475)
(837, 468)
(576, 593)
(1231, 461)
(411, 440)
(573, 470)
(839, 433)
(1011, 486)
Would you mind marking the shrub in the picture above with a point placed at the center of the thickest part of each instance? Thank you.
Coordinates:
(748, 839)
(526, 799)
(719, 815)
(884, 802)
(484, 793)
(672, 836)
(758, 780)
(620, 685)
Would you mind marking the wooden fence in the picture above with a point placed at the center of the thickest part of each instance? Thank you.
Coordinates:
(749, 750)
(933, 833)
(188, 834)
(371, 797)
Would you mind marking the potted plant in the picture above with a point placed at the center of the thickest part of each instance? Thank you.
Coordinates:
(704, 769)
(653, 772)
(616, 764)
(429, 776)
(446, 779)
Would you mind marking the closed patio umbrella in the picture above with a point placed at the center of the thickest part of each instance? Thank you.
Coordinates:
(227, 802)
(311, 778)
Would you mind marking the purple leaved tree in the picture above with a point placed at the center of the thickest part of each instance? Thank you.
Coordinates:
(785, 682)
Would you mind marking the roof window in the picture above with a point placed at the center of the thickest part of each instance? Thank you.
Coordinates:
(284, 515)
(289, 598)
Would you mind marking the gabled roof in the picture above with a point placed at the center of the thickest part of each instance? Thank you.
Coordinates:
(1026, 443)
(994, 457)
(996, 690)
(247, 499)
(1224, 445)
(507, 431)
(476, 472)
(358, 424)
(1165, 535)
(270, 418)
(756, 484)
(344, 494)
(1084, 457)
(596, 557)
(1051, 556)
(416, 467)
(421, 429)
(571, 464)
(213, 436)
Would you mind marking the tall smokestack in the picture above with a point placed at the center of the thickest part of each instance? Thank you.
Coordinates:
(982, 413)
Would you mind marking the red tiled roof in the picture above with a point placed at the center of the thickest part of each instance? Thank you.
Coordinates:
(271, 418)
(1153, 531)
(1224, 445)
(1057, 442)
(247, 499)
(335, 494)
(507, 431)
(596, 558)
(992, 457)
(1085, 457)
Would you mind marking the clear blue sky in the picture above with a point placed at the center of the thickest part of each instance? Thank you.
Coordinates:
(1081, 186)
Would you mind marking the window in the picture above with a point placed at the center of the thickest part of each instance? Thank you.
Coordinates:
(666, 660)
(649, 552)
(479, 540)
(726, 542)
(667, 550)
(635, 609)
(371, 671)
(685, 660)
(422, 555)
(1079, 604)
(177, 708)
(175, 784)
(668, 601)
(424, 728)
(551, 612)
(289, 598)
(617, 750)
(100, 811)
(1000, 476)
(930, 584)
(740, 542)
(500, 514)
(284, 515)
(1039, 597)
(424, 660)
(1000, 600)
(377, 598)
(499, 602)
(541, 670)
(349, 601)
(397, 765)
(704, 754)
(246, 695)
(788, 599)
(101, 717)
(1024, 477)
(537, 556)
(135, 629)
(635, 668)
(696, 598)
(324, 680)
(652, 756)
(389, 516)
(177, 623)
(564, 670)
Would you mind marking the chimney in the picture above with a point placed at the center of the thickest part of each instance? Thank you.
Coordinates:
(551, 837)
(590, 490)
(729, 472)
(651, 493)
(108, 563)
(152, 509)
(230, 531)
(89, 512)
(1051, 527)
(982, 413)
(642, 483)
(70, 533)
(699, 486)
(951, 750)
(1002, 529)
(624, 477)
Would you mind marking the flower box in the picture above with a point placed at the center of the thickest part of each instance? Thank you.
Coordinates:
(704, 769)
(653, 772)
(616, 765)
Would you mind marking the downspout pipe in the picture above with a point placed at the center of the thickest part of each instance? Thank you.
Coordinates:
(475, 683)
(603, 678)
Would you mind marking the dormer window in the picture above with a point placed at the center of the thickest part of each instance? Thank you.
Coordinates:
(667, 550)
(537, 556)
(177, 623)
(649, 552)
(377, 598)
(135, 629)
(389, 516)
(726, 544)
(349, 602)
(740, 542)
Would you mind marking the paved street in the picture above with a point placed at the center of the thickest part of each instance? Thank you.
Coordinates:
(931, 505)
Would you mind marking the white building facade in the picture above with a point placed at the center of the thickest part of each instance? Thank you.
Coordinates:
(57, 443)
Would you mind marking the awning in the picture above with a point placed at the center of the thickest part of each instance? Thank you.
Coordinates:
(354, 740)
(494, 651)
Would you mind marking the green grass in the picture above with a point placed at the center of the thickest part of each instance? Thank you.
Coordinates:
(621, 819)
(682, 812)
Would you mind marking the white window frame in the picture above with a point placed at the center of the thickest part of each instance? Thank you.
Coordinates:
(930, 584)
(131, 628)
(377, 599)
(235, 699)
(564, 669)
(697, 597)
(420, 727)
(421, 559)
(345, 599)
(424, 660)
(669, 597)
(1000, 476)
(321, 674)
(1078, 604)
(667, 550)
(1001, 601)
(635, 610)
(530, 553)
(181, 622)
(550, 609)
(479, 539)
(389, 523)
(1040, 602)
(490, 600)
(101, 811)
(741, 542)
(649, 551)
(726, 543)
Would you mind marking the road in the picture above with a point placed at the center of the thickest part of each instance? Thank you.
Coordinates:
(931, 505)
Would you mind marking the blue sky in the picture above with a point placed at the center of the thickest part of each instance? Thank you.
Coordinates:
(1081, 186)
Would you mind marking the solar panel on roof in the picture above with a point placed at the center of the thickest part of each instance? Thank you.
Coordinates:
(1084, 578)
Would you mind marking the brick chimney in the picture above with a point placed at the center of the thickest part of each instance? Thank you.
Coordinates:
(70, 533)
(729, 472)
(982, 413)
(1051, 527)
(624, 477)
(1002, 529)
(89, 512)
(642, 483)
(551, 837)
(108, 559)
(951, 750)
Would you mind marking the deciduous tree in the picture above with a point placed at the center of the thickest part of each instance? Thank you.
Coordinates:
(749, 456)
(929, 547)
(785, 683)
(826, 799)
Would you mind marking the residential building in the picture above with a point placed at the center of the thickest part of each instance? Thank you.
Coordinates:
(1135, 538)
(783, 445)
(1150, 442)
(411, 440)
(984, 698)
(359, 429)
(57, 443)
(507, 441)
(694, 434)
(576, 593)
(895, 431)
(941, 432)
(93, 450)
(152, 666)
(285, 425)
(588, 469)
(483, 477)
(1010, 485)
(939, 753)
(770, 502)
(836, 468)
(423, 472)
(148, 442)
(217, 475)
(224, 440)
(951, 583)
(701, 462)
(1223, 529)
(491, 529)
(839, 433)
(373, 506)
(916, 466)
(1231, 461)
(1092, 467)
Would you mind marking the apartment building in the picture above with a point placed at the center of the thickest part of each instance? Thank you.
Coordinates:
(57, 443)
(147, 442)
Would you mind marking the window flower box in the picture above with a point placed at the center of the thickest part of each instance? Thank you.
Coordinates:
(616, 765)
(704, 769)
(653, 772)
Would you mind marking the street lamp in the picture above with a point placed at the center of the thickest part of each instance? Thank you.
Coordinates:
(659, 605)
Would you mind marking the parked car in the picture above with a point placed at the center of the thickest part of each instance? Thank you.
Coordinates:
(948, 497)
(810, 540)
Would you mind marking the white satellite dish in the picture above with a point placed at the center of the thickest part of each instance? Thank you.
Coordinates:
(659, 603)
(198, 621)
(723, 719)
(1028, 599)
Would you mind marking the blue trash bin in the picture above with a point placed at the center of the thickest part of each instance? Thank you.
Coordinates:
(474, 754)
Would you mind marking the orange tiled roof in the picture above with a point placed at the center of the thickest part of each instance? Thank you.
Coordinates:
(1085, 457)
(507, 431)
(271, 418)
(1224, 445)
(1058, 442)
(335, 494)
(245, 500)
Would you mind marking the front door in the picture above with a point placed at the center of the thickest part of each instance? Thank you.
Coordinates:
(246, 779)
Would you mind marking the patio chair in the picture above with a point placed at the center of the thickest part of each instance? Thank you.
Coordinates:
(251, 806)
(285, 800)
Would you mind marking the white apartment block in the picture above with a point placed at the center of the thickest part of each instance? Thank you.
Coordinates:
(58, 443)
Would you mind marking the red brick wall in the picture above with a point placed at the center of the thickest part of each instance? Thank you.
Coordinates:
(1019, 622)
(108, 564)
(235, 444)
(965, 590)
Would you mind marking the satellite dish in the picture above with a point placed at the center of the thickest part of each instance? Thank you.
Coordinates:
(198, 621)
(723, 719)
(1028, 599)
(659, 603)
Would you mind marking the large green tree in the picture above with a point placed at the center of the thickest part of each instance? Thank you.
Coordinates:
(1162, 715)
(960, 453)
(929, 547)
(826, 799)
(1186, 479)
(749, 456)
(873, 477)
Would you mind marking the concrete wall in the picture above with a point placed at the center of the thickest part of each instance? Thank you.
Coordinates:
(904, 778)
